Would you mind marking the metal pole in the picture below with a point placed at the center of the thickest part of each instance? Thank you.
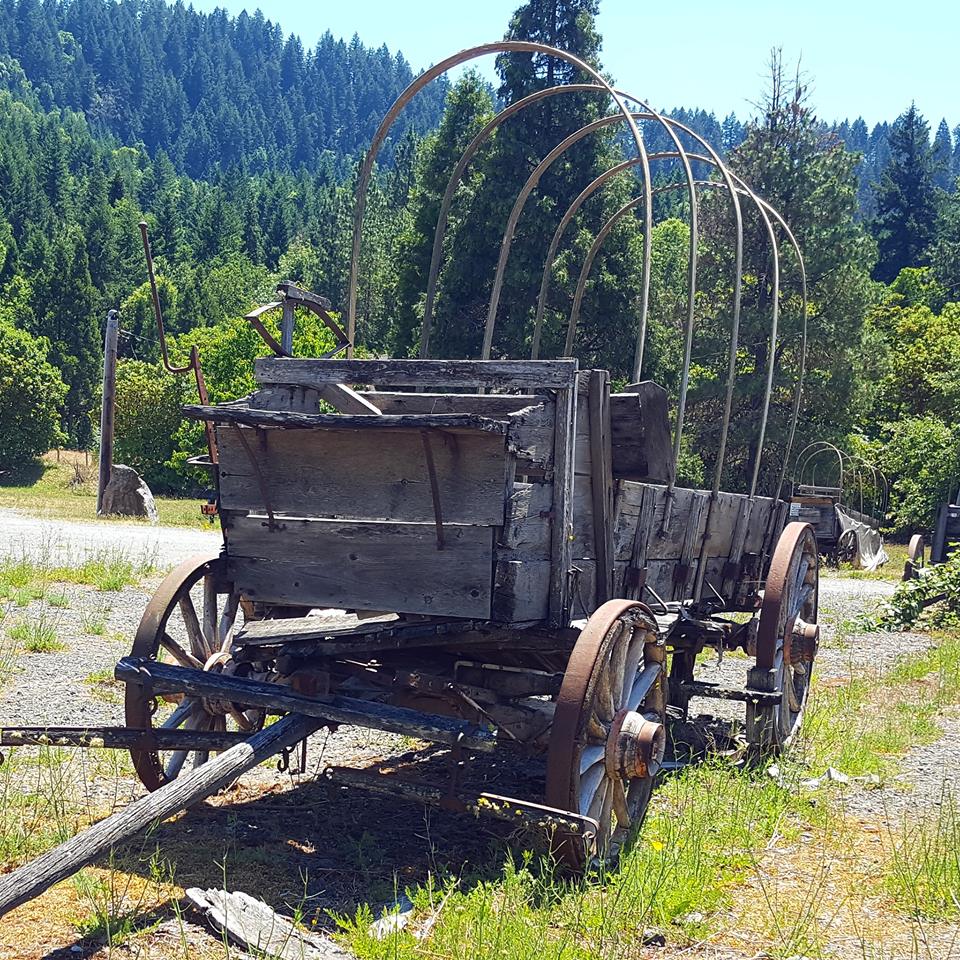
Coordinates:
(108, 405)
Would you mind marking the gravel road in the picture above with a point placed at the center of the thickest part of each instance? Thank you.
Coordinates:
(68, 541)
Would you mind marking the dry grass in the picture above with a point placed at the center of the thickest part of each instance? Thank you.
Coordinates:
(64, 486)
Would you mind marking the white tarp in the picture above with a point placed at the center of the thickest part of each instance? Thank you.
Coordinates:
(872, 554)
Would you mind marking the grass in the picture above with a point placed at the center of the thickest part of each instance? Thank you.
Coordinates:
(924, 870)
(37, 636)
(64, 487)
(891, 570)
(104, 686)
(24, 578)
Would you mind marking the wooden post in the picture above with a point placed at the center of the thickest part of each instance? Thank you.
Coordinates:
(107, 408)
(286, 328)
(34, 878)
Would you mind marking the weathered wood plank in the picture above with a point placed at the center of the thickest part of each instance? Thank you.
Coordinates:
(31, 880)
(529, 418)
(119, 738)
(293, 420)
(165, 678)
(642, 446)
(260, 930)
(521, 591)
(408, 373)
(601, 482)
(563, 464)
(364, 474)
(363, 565)
(527, 528)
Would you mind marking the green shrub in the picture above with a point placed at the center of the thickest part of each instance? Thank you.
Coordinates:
(148, 419)
(31, 394)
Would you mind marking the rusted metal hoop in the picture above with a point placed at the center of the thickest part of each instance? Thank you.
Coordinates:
(363, 182)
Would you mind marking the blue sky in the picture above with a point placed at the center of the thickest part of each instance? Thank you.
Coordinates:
(868, 59)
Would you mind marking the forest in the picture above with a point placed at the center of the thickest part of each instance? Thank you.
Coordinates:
(240, 148)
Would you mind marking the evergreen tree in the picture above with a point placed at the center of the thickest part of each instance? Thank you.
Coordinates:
(943, 157)
(906, 198)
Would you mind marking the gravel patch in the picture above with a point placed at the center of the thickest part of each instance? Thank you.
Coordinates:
(63, 542)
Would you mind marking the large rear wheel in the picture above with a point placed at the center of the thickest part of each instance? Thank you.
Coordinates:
(787, 640)
(608, 734)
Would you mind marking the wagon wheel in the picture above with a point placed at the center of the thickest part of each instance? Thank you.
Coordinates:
(608, 735)
(848, 548)
(787, 639)
(915, 558)
(190, 622)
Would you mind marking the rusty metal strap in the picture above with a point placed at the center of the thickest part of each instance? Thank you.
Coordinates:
(434, 485)
(253, 318)
(261, 482)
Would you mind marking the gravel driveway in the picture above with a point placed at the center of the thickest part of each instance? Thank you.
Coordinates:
(67, 541)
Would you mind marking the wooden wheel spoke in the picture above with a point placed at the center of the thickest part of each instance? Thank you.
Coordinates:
(188, 611)
(590, 784)
(209, 625)
(228, 622)
(620, 807)
(600, 800)
(182, 657)
(180, 715)
(631, 664)
(174, 764)
(592, 753)
(642, 685)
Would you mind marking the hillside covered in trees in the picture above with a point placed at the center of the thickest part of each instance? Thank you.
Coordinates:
(240, 148)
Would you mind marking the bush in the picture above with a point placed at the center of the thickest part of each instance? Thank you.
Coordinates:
(923, 454)
(931, 600)
(147, 423)
(31, 394)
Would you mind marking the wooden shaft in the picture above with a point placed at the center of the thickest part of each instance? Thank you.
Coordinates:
(166, 678)
(120, 738)
(108, 406)
(34, 878)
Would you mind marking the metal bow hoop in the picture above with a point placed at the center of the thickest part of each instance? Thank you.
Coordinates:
(366, 171)
(468, 154)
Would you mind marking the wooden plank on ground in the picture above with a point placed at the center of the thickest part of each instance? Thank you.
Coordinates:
(364, 565)
(259, 929)
(364, 475)
(520, 374)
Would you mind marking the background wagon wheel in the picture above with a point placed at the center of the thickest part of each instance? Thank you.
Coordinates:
(608, 735)
(915, 558)
(848, 548)
(190, 622)
(787, 639)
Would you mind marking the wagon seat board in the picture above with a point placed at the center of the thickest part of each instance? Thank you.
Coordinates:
(431, 505)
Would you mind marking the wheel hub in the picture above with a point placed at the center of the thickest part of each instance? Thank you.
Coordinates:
(635, 746)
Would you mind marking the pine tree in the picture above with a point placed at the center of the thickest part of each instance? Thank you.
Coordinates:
(906, 198)
(943, 157)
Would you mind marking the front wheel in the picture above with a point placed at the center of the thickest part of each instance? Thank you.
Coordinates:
(190, 622)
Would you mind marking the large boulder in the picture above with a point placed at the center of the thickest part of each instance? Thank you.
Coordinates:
(127, 495)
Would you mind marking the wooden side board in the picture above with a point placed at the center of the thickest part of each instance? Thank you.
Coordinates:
(532, 374)
(363, 565)
(365, 474)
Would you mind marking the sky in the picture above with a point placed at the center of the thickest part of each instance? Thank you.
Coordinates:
(868, 59)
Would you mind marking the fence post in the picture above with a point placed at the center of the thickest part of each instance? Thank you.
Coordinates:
(107, 409)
